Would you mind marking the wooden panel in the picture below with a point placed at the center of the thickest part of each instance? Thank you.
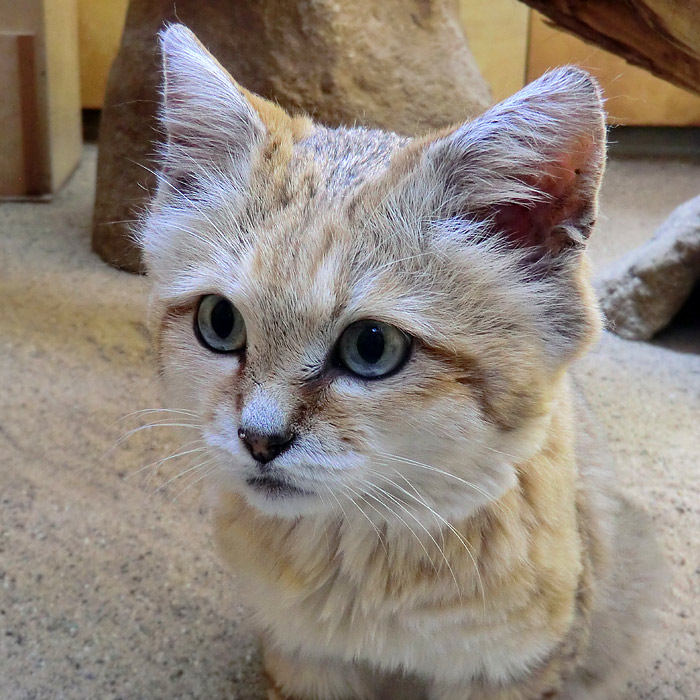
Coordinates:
(40, 107)
(63, 87)
(34, 153)
(634, 97)
(498, 32)
(100, 25)
(12, 135)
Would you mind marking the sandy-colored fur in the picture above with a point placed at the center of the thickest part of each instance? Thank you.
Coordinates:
(461, 538)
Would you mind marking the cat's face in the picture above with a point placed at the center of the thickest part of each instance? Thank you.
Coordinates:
(354, 316)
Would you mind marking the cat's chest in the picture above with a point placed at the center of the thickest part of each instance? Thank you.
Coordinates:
(388, 608)
(451, 641)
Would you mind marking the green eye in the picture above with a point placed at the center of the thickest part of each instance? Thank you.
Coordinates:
(220, 326)
(372, 349)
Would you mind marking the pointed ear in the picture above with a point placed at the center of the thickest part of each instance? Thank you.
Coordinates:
(205, 114)
(531, 166)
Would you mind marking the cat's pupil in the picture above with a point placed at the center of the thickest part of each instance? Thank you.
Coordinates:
(370, 344)
(222, 318)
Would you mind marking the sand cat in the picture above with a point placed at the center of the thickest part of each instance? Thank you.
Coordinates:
(375, 332)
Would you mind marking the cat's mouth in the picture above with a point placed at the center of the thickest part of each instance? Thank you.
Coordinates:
(274, 487)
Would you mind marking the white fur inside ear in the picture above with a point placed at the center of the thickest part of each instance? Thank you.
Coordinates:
(204, 113)
(213, 134)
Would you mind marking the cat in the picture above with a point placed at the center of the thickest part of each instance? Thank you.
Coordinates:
(375, 333)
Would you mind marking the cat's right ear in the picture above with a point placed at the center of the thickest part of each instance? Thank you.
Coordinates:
(207, 117)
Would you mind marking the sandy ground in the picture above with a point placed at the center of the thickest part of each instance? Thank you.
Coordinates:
(108, 584)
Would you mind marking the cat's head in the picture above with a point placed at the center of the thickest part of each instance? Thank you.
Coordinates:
(354, 315)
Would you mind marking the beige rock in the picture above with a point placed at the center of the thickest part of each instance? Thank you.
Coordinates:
(402, 65)
(642, 292)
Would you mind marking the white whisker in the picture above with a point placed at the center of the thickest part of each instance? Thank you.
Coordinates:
(188, 470)
(467, 546)
(208, 472)
(197, 471)
(427, 532)
(396, 515)
(145, 411)
(491, 499)
(178, 453)
(369, 520)
(163, 424)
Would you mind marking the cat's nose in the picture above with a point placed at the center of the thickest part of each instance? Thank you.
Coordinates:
(265, 446)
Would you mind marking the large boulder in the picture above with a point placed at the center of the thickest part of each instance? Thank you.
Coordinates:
(402, 65)
(642, 292)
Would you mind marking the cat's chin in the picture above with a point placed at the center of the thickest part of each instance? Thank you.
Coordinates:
(282, 502)
(274, 487)
(274, 496)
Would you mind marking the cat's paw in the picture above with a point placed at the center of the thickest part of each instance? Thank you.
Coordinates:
(275, 693)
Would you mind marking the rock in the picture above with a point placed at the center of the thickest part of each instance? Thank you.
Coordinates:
(402, 65)
(642, 292)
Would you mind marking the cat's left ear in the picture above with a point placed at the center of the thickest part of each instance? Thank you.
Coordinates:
(530, 167)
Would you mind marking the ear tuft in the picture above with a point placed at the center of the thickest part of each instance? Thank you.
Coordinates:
(530, 166)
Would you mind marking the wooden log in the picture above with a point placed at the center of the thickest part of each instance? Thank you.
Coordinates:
(662, 36)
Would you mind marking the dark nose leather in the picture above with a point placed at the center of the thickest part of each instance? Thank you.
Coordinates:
(265, 447)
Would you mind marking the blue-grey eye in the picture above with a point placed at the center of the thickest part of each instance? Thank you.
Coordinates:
(372, 349)
(220, 325)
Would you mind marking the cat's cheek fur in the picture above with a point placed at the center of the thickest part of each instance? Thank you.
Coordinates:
(191, 374)
(453, 476)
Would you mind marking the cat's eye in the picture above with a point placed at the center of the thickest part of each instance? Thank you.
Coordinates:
(220, 326)
(372, 349)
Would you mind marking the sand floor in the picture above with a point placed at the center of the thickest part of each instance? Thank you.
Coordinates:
(108, 584)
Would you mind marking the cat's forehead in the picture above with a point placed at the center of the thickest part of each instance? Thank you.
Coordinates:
(306, 246)
(291, 302)
(346, 157)
(298, 276)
